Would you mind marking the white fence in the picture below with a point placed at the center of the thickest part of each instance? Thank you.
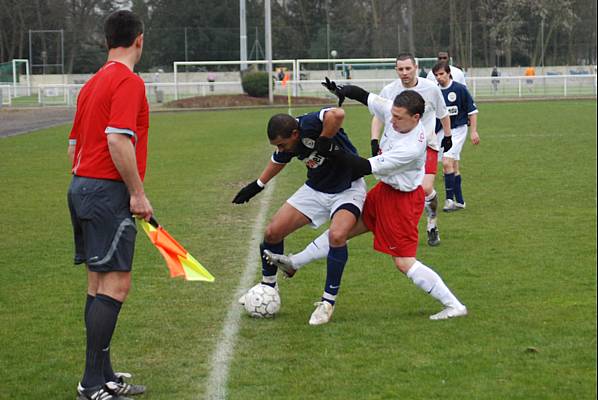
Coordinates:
(162, 94)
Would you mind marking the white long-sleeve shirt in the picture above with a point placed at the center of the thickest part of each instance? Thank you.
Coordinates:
(435, 106)
(401, 164)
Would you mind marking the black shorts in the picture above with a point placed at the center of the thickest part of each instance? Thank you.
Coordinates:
(103, 226)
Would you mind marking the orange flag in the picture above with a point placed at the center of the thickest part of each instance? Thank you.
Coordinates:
(178, 260)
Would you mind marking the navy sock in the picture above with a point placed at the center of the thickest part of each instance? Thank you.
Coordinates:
(337, 258)
(88, 302)
(100, 323)
(458, 193)
(449, 184)
(267, 269)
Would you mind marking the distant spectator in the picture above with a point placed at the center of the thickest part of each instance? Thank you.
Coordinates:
(280, 74)
(495, 81)
(530, 73)
(211, 79)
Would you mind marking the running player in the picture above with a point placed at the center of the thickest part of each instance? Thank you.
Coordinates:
(461, 109)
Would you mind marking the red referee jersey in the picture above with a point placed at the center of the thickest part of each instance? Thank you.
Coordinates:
(113, 100)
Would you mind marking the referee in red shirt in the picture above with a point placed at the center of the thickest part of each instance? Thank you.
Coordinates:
(108, 149)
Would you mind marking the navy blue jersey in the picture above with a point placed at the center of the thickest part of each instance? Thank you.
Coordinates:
(459, 104)
(323, 174)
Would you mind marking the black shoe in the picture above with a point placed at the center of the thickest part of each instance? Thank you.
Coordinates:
(106, 392)
(124, 388)
(433, 237)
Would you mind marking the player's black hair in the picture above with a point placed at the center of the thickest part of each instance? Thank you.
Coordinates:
(281, 125)
(441, 65)
(406, 56)
(412, 101)
(122, 28)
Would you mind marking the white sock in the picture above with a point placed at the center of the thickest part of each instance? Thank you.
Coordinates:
(429, 281)
(314, 251)
(431, 213)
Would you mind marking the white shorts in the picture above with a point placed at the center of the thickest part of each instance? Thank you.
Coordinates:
(319, 207)
(459, 136)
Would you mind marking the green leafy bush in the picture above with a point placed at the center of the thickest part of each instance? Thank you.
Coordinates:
(255, 84)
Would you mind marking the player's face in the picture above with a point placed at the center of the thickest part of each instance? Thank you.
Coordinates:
(407, 72)
(286, 145)
(442, 77)
(402, 121)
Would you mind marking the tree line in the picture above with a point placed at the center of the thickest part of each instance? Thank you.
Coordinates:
(477, 33)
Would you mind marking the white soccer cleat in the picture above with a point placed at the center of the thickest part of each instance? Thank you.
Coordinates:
(282, 262)
(459, 206)
(322, 313)
(449, 205)
(450, 312)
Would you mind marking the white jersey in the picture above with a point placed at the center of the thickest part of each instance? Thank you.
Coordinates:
(401, 164)
(435, 106)
(456, 74)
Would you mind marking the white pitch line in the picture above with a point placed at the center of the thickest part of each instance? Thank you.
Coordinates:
(219, 365)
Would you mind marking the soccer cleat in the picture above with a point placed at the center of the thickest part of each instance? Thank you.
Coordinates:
(282, 262)
(106, 392)
(433, 237)
(459, 206)
(322, 313)
(241, 300)
(450, 312)
(126, 388)
(449, 205)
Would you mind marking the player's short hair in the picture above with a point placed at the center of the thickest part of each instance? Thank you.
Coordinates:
(122, 28)
(281, 125)
(406, 56)
(412, 101)
(441, 65)
(443, 55)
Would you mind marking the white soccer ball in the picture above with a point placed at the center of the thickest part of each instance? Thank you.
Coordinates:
(262, 301)
(334, 53)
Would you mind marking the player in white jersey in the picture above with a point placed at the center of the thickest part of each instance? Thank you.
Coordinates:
(406, 68)
(394, 205)
(456, 73)
(463, 112)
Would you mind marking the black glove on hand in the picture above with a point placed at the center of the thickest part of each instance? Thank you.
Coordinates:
(446, 143)
(247, 193)
(375, 147)
(335, 90)
(324, 146)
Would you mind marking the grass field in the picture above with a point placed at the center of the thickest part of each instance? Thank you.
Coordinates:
(522, 257)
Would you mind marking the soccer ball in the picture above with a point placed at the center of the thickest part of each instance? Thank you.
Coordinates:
(262, 301)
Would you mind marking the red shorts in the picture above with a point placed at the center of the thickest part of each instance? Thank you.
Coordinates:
(431, 161)
(393, 216)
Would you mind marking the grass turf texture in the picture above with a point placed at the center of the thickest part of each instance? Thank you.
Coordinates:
(522, 257)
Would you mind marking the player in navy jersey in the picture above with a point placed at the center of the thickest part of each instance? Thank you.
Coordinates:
(462, 110)
(332, 191)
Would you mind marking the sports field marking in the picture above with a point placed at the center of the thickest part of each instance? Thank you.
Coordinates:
(219, 365)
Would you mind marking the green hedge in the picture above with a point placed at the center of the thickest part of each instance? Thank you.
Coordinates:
(255, 84)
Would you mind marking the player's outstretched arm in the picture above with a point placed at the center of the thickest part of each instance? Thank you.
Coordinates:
(253, 188)
(346, 91)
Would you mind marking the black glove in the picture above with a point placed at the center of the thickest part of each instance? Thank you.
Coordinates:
(247, 193)
(335, 90)
(324, 146)
(446, 143)
(375, 147)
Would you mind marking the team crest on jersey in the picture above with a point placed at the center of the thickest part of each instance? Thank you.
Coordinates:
(452, 96)
(314, 160)
(309, 143)
(422, 136)
(453, 110)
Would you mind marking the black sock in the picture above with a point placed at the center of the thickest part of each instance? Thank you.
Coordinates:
(100, 323)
